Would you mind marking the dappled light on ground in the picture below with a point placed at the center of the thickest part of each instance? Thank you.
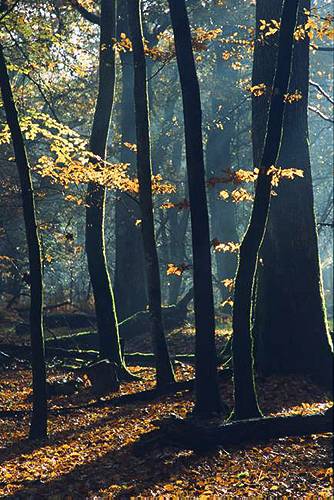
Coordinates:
(90, 451)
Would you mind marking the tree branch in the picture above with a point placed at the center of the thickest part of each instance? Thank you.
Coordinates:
(322, 91)
(7, 10)
(323, 49)
(86, 14)
(320, 113)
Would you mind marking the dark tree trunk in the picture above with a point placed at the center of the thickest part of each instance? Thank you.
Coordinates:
(264, 65)
(186, 432)
(38, 426)
(290, 328)
(207, 394)
(129, 286)
(144, 169)
(246, 405)
(95, 238)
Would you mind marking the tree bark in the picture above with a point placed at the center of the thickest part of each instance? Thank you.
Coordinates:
(38, 425)
(164, 370)
(207, 394)
(201, 437)
(246, 405)
(96, 194)
(130, 287)
(290, 324)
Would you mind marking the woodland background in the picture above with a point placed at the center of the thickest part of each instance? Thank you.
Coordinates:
(108, 115)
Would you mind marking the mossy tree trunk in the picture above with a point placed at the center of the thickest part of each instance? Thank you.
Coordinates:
(164, 370)
(95, 238)
(290, 323)
(38, 425)
(207, 394)
(246, 405)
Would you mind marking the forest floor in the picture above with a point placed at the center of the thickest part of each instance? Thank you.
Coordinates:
(90, 452)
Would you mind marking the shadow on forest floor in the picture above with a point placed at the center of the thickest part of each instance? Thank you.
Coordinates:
(91, 452)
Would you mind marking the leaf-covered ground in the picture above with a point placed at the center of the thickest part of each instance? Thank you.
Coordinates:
(90, 451)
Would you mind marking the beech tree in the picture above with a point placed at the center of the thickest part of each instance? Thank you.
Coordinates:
(96, 194)
(164, 370)
(207, 394)
(290, 329)
(246, 405)
(130, 288)
(38, 425)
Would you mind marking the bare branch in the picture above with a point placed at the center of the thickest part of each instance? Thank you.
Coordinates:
(320, 113)
(322, 91)
(323, 49)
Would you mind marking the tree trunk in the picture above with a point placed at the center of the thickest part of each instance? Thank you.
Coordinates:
(219, 163)
(178, 224)
(130, 288)
(144, 169)
(95, 237)
(207, 394)
(38, 426)
(223, 223)
(246, 405)
(290, 323)
(186, 432)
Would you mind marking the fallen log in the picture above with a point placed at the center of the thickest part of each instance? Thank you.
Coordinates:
(82, 340)
(73, 321)
(24, 352)
(148, 359)
(135, 326)
(132, 359)
(199, 435)
(139, 324)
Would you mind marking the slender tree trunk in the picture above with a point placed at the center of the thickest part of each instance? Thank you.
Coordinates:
(218, 162)
(223, 223)
(144, 169)
(159, 158)
(178, 224)
(163, 254)
(244, 385)
(95, 237)
(290, 324)
(178, 227)
(38, 426)
(207, 394)
(130, 287)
